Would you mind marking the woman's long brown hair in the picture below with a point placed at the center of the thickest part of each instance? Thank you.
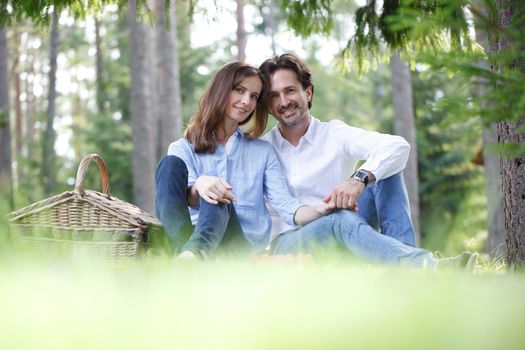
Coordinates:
(201, 131)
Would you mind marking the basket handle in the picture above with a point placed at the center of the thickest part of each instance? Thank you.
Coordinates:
(82, 169)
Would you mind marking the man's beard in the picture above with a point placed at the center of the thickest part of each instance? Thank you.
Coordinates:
(299, 118)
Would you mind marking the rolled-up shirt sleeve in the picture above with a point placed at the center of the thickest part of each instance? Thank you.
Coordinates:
(384, 154)
(276, 189)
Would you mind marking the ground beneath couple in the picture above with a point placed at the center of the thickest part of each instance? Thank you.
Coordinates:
(238, 304)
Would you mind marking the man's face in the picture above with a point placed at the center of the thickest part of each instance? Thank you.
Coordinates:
(289, 101)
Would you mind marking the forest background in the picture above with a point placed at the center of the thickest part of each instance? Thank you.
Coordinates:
(125, 82)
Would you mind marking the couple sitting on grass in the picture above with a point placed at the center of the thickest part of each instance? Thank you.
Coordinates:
(293, 191)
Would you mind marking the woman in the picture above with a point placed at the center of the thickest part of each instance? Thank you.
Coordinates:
(223, 174)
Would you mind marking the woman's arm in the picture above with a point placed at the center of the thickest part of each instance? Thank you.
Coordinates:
(309, 213)
(288, 207)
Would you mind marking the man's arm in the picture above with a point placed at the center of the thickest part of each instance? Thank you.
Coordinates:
(276, 189)
(309, 213)
(384, 155)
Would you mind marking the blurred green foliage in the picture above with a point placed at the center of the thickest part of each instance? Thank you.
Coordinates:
(451, 187)
(39, 12)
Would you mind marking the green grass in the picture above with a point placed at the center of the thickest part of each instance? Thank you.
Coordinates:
(234, 304)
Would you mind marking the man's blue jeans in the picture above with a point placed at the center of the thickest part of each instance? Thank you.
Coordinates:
(349, 230)
(385, 204)
(216, 225)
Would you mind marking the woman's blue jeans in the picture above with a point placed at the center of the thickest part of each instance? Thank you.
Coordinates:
(216, 225)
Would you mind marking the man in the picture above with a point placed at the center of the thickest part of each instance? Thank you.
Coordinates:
(318, 159)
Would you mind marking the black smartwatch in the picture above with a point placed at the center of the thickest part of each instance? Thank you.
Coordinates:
(361, 176)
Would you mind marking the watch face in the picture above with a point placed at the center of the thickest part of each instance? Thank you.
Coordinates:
(361, 176)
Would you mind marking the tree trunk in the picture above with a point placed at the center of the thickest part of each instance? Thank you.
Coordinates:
(18, 115)
(168, 78)
(404, 125)
(491, 161)
(272, 25)
(496, 217)
(513, 180)
(16, 99)
(141, 110)
(5, 129)
(241, 32)
(379, 94)
(101, 82)
(50, 136)
(30, 110)
(512, 168)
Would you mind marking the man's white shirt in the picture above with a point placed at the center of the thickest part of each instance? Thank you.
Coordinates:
(327, 155)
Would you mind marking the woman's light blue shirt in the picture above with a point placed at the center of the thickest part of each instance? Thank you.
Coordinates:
(253, 170)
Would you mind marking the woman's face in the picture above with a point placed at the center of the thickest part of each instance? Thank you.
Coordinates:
(243, 99)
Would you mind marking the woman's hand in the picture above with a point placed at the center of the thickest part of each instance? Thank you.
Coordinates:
(213, 190)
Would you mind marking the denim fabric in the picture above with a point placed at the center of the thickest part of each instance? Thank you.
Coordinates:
(253, 170)
(171, 203)
(385, 204)
(217, 224)
(349, 230)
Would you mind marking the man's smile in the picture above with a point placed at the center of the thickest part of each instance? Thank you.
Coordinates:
(289, 110)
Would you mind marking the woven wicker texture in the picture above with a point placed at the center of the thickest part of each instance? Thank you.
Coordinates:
(86, 221)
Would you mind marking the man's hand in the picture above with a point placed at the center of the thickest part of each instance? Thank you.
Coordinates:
(214, 190)
(345, 195)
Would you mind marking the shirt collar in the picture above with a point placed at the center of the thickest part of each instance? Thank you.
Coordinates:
(279, 139)
(237, 134)
(310, 133)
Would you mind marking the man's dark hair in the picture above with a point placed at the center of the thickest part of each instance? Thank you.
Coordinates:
(293, 63)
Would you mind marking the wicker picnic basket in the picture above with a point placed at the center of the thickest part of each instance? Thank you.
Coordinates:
(85, 221)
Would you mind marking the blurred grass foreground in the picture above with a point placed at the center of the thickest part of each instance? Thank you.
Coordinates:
(157, 302)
